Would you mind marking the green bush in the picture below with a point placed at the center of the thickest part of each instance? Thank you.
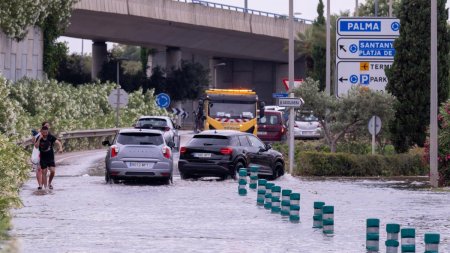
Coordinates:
(342, 164)
(13, 172)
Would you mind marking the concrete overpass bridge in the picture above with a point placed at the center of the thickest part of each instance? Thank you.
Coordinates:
(250, 42)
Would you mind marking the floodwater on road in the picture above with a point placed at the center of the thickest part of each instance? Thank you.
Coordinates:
(84, 214)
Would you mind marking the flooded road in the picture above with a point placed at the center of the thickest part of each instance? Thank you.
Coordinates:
(83, 214)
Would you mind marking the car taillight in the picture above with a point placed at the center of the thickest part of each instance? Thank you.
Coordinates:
(114, 151)
(282, 130)
(166, 152)
(183, 150)
(167, 129)
(226, 151)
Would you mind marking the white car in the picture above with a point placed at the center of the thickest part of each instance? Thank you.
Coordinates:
(307, 126)
(163, 123)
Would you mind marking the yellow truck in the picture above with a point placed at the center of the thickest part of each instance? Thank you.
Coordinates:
(232, 109)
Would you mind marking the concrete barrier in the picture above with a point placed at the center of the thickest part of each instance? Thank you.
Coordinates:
(372, 235)
(408, 239)
(328, 219)
(317, 218)
(432, 242)
(261, 192)
(253, 176)
(392, 243)
(268, 196)
(285, 202)
(242, 189)
(276, 192)
(294, 207)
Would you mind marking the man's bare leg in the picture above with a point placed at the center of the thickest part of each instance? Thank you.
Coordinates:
(52, 175)
(39, 175)
(44, 177)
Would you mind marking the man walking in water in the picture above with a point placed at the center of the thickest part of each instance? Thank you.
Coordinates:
(45, 143)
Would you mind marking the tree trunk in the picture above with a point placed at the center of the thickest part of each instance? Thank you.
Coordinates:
(333, 147)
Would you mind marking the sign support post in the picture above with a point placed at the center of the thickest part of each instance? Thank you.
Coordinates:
(291, 85)
(373, 136)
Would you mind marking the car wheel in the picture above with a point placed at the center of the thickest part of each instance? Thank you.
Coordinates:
(184, 176)
(278, 171)
(235, 174)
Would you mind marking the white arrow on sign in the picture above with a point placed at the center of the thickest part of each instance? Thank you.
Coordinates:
(370, 74)
(373, 49)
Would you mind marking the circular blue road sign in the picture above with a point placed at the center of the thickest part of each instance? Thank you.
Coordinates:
(353, 48)
(353, 78)
(395, 26)
(163, 100)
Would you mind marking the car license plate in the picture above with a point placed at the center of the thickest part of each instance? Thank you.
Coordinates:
(142, 165)
(307, 132)
(202, 155)
(262, 133)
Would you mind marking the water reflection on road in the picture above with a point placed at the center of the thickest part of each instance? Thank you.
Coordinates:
(83, 214)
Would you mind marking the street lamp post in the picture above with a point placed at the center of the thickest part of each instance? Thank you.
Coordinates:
(215, 72)
(434, 176)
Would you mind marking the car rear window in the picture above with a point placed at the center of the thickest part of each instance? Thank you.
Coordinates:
(152, 121)
(209, 140)
(269, 120)
(140, 139)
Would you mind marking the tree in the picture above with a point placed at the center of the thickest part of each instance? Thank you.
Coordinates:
(75, 69)
(409, 77)
(319, 50)
(347, 115)
(367, 9)
(187, 82)
(312, 45)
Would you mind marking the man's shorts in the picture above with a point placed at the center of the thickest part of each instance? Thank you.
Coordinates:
(45, 163)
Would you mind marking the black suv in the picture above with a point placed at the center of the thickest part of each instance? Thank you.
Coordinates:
(223, 152)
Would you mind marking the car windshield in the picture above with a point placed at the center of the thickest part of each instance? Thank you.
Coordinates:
(140, 139)
(232, 109)
(155, 122)
(209, 140)
(307, 117)
(269, 120)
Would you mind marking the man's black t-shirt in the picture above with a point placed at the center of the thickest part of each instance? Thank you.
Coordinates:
(46, 146)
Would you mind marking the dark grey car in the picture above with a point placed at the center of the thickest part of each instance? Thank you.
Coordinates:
(139, 153)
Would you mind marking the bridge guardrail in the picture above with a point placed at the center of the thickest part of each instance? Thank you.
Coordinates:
(77, 134)
(241, 9)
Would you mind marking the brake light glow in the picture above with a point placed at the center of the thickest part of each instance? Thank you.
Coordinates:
(166, 128)
(183, 150)
(114, 150)
(226, 151)
(166, 152)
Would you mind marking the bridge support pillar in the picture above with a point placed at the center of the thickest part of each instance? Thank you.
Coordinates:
(99, 56)
(173, 58)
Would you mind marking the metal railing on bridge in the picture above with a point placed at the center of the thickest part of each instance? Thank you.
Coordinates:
(244, 10)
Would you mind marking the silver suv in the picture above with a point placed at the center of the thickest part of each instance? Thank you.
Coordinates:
(139, 153)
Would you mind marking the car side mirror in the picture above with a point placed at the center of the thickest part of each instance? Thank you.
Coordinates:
(268, 146)
(171, 144)
(106, 143)
(178, 127)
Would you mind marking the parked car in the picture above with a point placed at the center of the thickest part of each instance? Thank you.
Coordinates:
(162, 123)
(307, 126)
(138, 153)
(223, 152)
(271, 127)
